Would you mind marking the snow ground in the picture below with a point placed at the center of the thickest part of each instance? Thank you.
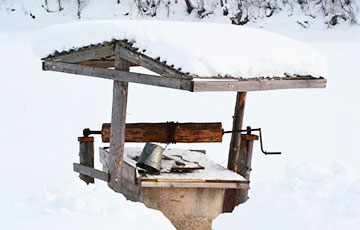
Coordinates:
(315, 184)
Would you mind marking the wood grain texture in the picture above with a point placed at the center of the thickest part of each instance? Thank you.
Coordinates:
(168, 132)
(117, 132)
(118, 75)
(230, 195)
(126, 52)
(91, 172)
(86, 155)
(90, 53)
(258, 84)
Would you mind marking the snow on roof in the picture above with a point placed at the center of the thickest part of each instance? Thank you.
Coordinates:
(211, 171)
(200, 49)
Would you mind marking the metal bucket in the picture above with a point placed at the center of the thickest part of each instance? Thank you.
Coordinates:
(150, 158)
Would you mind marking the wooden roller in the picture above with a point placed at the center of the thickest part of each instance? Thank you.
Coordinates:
(169, 132)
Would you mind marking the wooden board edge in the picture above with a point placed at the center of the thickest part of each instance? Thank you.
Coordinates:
(258, 84)
(91, 172)
(178, 184)
(117, 75)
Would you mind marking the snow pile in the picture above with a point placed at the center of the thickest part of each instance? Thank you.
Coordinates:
(73, 205)
(308, 197)
(202, 49)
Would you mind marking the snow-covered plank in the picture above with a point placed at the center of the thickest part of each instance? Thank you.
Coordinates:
(118, 75)
(192, 184)
(91, 172)
(85, 54)
(258, 84)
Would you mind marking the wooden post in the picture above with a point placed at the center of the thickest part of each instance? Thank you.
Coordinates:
(86, 155)
(244, 167)
(118, 119)
(231, 195)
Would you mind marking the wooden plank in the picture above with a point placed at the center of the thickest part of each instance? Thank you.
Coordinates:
(91, 172)
(258, 84)
(230, 195)
(101, 63)
(126, 52)
(86, 155)
(129, 173)
(178, 184)
(169, 132)
(117, 133)
(118, 75)
(104, 158)
(98, 63)
(85, 54)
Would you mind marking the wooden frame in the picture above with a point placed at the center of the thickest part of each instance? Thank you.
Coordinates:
(113, 60)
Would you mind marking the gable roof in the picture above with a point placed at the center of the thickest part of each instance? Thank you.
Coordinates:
(186, 51)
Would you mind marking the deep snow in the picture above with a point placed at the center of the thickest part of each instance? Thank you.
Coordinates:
(197, 48)
(306, 188)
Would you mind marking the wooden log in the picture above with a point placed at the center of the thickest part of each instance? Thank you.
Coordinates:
(118, 75)
(258, 84)
(90, 172)
(168, 132)
(86, 155)
(230, 196)
(117, 133)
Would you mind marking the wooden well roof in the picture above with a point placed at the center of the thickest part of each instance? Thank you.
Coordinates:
(99, 61)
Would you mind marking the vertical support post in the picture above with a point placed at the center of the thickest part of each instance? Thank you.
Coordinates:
(86, 155)
(244, 166)
(117, 132)
(231, 198)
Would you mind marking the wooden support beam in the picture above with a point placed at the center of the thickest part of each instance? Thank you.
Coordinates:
(124, 51)
(258, 84)
(230, 196)
(169, 132)
(98, 63)
(244, 167)
(91, 172)
(159, 183)
(84, 54)
(86, 155)
(118, 75)
(118, 121)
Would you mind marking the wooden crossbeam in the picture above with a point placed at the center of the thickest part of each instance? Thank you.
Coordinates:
(118, 75)
(258, 84)
(91, 172)
(146, 62)
(85, 54)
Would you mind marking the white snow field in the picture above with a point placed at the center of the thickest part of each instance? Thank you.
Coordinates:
(314, 184)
